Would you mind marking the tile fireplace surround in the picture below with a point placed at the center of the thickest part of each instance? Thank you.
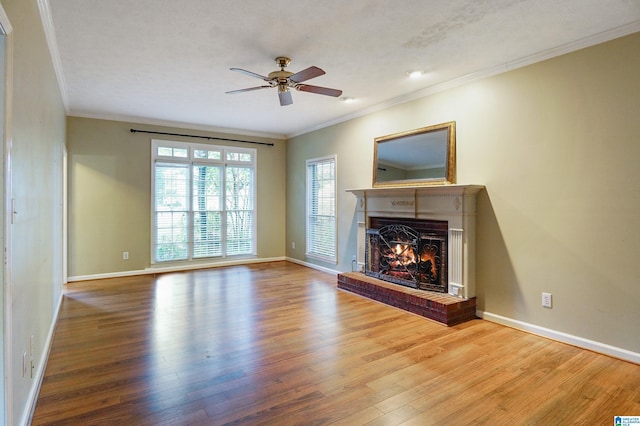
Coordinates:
(455, 204)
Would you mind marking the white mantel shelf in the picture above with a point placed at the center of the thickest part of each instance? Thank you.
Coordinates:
(455, 204)
(432, 189)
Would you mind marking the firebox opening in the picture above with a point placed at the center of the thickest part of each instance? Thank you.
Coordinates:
(408, 252)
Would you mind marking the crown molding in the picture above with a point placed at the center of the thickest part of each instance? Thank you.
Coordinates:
(563, 49)
(50, 35)
(47, 22)
(4, 22)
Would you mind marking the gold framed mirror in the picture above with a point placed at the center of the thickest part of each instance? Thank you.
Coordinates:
(425, 156)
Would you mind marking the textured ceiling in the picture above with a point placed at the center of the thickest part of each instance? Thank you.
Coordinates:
(167, 61)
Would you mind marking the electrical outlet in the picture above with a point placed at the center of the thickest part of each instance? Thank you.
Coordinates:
(293, 245)
(546, 300)
(125, 255)
(354, 258)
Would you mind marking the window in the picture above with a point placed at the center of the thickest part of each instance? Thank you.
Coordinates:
(203, 201)
(321, 208)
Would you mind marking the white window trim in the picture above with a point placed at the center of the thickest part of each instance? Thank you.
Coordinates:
(191, 160)
(334, 258)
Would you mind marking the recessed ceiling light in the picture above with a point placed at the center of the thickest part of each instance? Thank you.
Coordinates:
(416, 74)
(347, 100)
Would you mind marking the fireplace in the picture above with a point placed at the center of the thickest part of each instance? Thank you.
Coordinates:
(446, 213)
(416, 250)
(412, 253)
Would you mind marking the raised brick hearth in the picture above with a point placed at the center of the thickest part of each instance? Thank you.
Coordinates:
(444, 308)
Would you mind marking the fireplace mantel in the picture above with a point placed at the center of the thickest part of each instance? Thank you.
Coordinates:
(454, 203)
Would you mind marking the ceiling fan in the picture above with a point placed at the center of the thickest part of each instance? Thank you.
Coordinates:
(285, 80)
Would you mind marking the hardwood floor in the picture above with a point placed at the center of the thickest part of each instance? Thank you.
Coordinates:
(278, 344)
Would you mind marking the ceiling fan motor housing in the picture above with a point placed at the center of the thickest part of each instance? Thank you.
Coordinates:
(281, 76)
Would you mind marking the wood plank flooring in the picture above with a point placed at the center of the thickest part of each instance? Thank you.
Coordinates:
(278, 344)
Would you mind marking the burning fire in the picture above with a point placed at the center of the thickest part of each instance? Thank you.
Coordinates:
(429, 257)
(402, 255)
(429, 253)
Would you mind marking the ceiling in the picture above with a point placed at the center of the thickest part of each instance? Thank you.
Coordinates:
(167, 61)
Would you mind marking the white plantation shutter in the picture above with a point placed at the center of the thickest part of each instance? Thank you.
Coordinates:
(321, 208)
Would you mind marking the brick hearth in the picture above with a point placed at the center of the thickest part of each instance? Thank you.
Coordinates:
(446, 309)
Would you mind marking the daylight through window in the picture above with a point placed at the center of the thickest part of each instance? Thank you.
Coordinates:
(321, 208)
(203, 201)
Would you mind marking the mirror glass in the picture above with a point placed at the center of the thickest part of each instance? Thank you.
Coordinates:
(424, 156)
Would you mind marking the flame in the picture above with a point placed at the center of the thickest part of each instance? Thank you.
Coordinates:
(403, 255)
(430, 257)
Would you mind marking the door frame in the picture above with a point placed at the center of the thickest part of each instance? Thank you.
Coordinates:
(6, 216)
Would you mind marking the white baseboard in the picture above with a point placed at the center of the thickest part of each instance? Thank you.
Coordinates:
(312, 266)
(173, 268)
(42, 366)
(580, 342)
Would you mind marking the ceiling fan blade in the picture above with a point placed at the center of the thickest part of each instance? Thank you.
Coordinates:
(319, 90)
(231, 92)
(306, 74)
(252, 74)
(285, 98)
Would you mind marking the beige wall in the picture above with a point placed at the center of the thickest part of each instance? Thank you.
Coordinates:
(555, 143)
(109, 194)
(35, 246)
(557, 146)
